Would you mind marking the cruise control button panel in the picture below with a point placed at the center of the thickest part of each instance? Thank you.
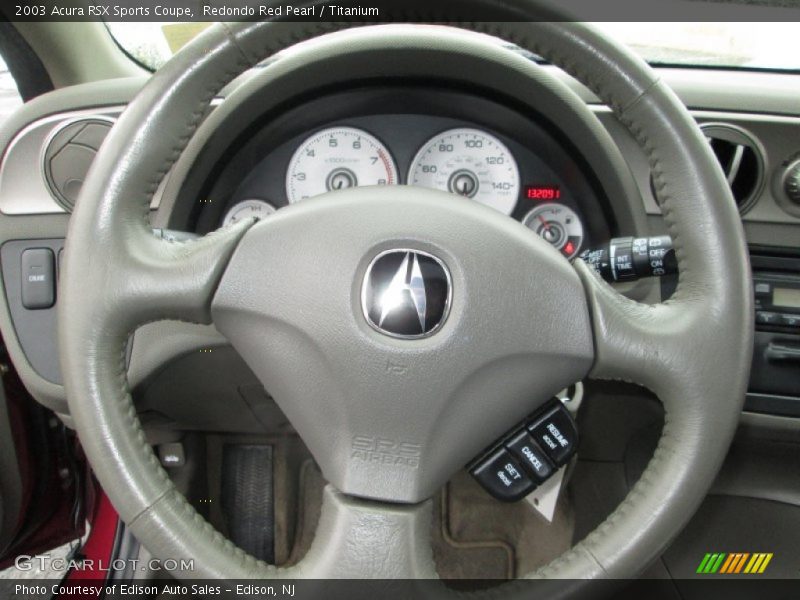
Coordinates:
(514, 466)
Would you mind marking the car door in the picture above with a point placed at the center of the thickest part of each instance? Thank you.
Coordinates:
(42, 475)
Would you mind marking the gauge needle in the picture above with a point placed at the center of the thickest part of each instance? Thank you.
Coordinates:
(544, 222)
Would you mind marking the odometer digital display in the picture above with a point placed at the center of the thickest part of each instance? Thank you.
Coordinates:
(542, 192)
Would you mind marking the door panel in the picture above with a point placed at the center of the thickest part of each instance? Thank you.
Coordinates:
(42, 474)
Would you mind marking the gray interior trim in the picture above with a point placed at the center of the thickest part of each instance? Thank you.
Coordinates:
(772, 234)
(758, 470)
(98, 94)
(30, 228)
(157, 344)
(22, 188)
(23, 192)
(769, 427)
(35, 329)
(725, 90)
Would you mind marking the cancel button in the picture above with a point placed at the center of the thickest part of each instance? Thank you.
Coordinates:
(530, 454)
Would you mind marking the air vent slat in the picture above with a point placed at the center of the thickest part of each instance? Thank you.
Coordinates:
(736, 162)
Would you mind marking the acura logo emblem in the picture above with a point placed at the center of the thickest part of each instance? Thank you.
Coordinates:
(406, 293)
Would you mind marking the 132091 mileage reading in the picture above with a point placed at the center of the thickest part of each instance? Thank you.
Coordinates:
(542, 192)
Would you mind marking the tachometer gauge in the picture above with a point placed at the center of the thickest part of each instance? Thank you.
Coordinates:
(335, 159)
(558, 225)
(470, 163)
(248, 209)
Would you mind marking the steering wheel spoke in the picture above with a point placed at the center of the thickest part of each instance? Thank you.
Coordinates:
(362, 539)
(154, 279)
(624, 331)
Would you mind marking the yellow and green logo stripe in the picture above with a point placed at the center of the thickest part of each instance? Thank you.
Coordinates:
(734, 563)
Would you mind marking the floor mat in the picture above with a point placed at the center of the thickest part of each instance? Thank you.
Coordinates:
(247, 498)
(477, 537)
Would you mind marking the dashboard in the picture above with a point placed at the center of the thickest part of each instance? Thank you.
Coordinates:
(259, 155)
(466, 145)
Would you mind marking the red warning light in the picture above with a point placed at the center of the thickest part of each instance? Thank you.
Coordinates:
(569, 248)
(542, 192)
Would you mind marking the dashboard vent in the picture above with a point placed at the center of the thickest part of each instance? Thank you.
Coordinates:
(69, 153)
(741, 161)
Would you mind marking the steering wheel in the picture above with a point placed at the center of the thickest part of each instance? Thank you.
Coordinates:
(288, 293)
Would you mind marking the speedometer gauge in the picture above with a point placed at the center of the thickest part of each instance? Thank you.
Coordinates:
(335, 159)
(470, 163)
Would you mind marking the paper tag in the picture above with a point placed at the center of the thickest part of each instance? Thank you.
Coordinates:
(544, 498)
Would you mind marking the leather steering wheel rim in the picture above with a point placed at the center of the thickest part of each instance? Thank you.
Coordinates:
(692, 351)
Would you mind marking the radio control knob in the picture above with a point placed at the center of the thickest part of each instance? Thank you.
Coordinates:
(791, 183)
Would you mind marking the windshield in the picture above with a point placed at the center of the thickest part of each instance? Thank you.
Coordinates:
(734, 45)
(729, 45)
(10, 99)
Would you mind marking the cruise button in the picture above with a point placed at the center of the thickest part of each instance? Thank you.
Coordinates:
(503, 476)
(531, 455)
(555, 433)
(38, 282)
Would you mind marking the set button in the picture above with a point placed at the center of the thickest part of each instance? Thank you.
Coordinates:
(503, 476)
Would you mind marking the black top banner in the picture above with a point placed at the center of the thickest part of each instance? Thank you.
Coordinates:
(387, 11)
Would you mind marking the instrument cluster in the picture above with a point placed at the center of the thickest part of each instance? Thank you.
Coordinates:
(467, 161)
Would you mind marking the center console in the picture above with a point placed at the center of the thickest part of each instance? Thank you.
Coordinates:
(775, 375)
